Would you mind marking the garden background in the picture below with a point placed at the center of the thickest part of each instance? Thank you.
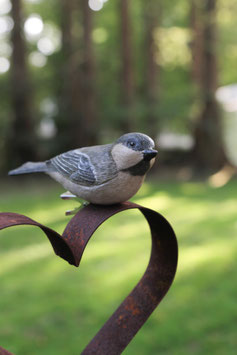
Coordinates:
(77, 73)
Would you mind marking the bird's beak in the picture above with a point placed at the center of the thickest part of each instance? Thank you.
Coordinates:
(149, 154)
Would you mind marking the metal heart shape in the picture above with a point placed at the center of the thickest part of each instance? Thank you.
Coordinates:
(133, 312)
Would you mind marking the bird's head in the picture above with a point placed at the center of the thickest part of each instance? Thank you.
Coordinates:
(134, 150)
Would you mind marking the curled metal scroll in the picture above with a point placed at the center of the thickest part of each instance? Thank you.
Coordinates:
(133, 312)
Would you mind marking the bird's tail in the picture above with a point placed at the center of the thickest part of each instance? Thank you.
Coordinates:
(28, 168)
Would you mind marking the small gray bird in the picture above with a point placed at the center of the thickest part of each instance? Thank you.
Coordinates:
(102, 174)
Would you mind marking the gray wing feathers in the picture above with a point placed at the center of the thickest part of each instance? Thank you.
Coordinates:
(102, 162)
(86, 166)
(75, 166)
(29, 167)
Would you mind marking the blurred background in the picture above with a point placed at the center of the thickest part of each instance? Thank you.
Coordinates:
(76, 73)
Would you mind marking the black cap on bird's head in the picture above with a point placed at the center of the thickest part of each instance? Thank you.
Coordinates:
(139, 142)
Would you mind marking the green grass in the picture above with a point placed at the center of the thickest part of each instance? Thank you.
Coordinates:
(49, 307)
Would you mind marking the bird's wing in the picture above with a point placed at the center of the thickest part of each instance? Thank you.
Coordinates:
(75, 166)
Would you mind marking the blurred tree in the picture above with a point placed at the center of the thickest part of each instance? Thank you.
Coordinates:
(197, 42)
(127, 74)
(125, 46)
(78, 96)
(152, 14)
(70, 127)
(209, 151)
(21, 145)
(88, 76)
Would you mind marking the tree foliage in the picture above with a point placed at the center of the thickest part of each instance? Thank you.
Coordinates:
(75, 65)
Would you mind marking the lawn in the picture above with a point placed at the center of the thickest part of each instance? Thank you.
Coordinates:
(49, 307)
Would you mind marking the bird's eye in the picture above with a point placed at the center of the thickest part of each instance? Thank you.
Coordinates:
(132, 144)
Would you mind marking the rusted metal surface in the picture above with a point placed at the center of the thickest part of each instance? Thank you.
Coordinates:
(4, 351)
(133, 312)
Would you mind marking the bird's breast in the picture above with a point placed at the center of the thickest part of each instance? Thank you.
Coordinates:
(117, 190)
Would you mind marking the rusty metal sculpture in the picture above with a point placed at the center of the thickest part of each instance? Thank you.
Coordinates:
(133, 312)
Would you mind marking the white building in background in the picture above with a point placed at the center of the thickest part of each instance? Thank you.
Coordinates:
(227, 97)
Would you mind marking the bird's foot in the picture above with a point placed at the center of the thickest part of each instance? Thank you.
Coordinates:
(77, 209)
(69, 196)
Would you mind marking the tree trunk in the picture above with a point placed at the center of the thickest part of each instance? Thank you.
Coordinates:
(88, 77)
(208, 149)
(21, 143)
(70, 131)
(197, 42)
(127, 74)
(152, 13)
(78, 93)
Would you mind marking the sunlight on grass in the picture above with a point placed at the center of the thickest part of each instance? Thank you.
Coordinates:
(15, 259)
(160, 201)
(213, 252)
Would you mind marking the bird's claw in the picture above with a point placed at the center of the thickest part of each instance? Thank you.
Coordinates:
(69, 196)
(77, 209)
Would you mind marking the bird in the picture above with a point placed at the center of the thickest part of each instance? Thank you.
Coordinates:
(102, 174)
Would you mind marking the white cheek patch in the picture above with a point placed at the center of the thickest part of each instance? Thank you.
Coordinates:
(125, 157)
